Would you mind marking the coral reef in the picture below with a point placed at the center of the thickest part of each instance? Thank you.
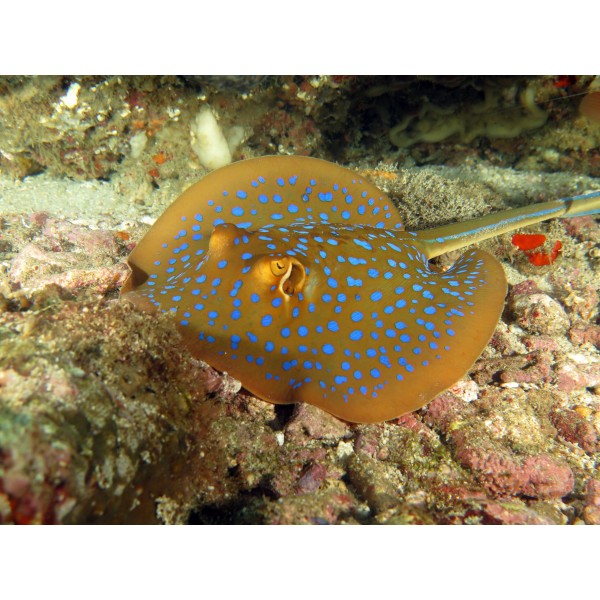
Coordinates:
(138, 128)
(104, 417)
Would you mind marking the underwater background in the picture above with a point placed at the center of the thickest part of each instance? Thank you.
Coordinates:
(105, 417)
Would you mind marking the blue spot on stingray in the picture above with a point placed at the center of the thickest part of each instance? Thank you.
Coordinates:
(385, 361)
(356, 261)
(266, 320)
(328, 349)
(237, 211)
(241, 194)
(362, 243)
(356, 335)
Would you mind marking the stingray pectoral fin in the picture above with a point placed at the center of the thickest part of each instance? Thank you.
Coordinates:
(135, 278)
(254, 193)
(434, 347)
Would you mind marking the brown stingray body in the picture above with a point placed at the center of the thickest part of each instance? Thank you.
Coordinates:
(295, 276)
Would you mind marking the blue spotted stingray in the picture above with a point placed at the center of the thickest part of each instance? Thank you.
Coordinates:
(297, 277)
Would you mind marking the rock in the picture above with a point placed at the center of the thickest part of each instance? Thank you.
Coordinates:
(539, 314)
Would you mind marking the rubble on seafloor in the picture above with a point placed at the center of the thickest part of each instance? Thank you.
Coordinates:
(105, 418)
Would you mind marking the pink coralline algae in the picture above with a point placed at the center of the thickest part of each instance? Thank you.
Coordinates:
(584, 334)
(500, 471)
(574, 428)
(72, 256)
(534, 477)
(591, 512)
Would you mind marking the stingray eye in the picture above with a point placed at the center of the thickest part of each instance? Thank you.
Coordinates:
(280, 266)
(293, 280)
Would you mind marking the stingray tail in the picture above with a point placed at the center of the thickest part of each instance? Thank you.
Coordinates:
(458, 235)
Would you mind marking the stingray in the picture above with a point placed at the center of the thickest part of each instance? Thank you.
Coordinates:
(296, 276)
